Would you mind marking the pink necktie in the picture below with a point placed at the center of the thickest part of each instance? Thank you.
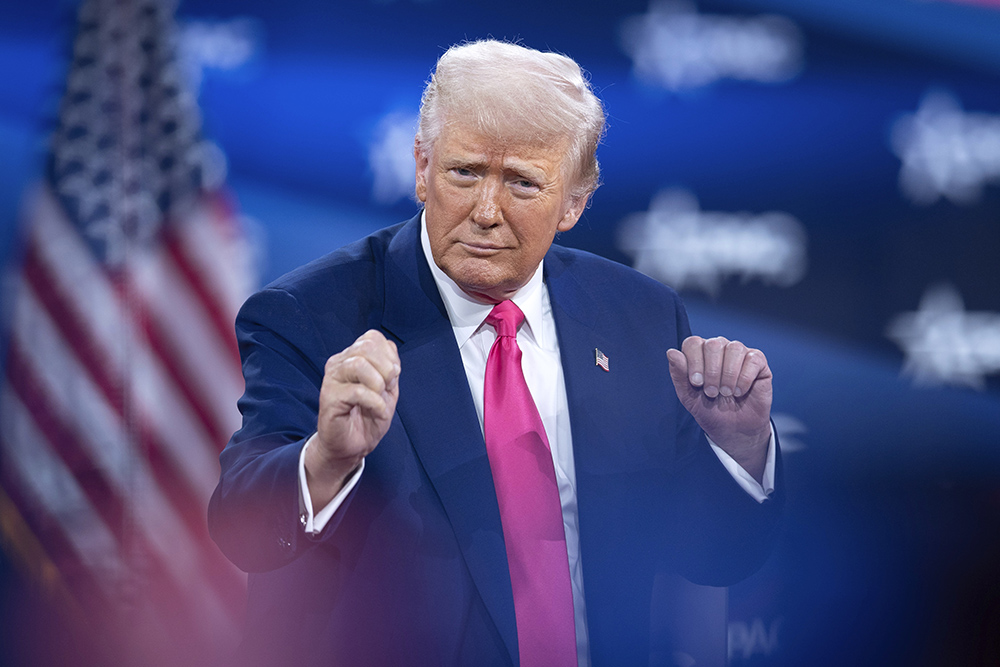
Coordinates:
(528, 495)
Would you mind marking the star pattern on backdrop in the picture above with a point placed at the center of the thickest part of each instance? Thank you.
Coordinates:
(945, 344)
(683, 246)
(945, 151)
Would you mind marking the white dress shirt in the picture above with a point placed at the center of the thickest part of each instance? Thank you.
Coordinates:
(543, 374)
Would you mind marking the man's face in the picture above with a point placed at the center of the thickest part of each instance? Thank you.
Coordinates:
(493, 208)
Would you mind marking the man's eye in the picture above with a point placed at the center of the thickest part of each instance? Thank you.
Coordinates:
(462, 171)
(526, 184)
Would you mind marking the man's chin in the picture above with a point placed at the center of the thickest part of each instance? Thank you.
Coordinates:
(480, 280)
(489, 292)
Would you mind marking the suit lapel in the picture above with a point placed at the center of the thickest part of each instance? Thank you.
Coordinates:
(587, 319)
(576, 316)
(610, 458)
(440, 420)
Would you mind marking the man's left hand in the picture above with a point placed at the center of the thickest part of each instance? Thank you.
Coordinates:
(726, 386)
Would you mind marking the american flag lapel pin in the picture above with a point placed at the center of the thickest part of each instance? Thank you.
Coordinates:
(601, 359)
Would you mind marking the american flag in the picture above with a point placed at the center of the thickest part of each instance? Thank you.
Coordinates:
(601, 359)
(122, 372)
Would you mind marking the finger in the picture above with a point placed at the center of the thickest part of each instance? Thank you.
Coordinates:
(342, 398)
(380, 351)
(692, 349)
(754, 367)
(373, 348)
(732, 365)
(713, 351)
(678, 368)
(396, 367)
(356, 370)
(680, 375)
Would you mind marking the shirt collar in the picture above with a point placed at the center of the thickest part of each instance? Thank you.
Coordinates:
(466, 314)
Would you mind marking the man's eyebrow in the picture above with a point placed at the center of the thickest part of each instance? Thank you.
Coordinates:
(525, 169)
(462, 160)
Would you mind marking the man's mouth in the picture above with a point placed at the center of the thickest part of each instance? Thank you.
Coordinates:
(481, 248)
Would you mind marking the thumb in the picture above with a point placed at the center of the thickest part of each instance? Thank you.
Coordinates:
(679, 371)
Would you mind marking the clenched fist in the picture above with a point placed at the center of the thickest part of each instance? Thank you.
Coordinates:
(356, 403)
(726, 386)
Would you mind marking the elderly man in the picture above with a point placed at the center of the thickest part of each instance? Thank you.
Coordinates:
(463, 445)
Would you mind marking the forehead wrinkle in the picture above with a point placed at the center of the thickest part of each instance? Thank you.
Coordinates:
(538, 159)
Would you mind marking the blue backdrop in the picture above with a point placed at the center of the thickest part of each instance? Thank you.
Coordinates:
(827, 178)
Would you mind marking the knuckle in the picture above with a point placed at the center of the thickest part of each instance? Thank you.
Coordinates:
(357, 394)
(692, 341)
(735, 346)
(357, 366)
(715, 344)
(373, 337)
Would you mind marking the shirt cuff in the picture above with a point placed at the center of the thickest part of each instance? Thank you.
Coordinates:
(314, 523)
(758, 491)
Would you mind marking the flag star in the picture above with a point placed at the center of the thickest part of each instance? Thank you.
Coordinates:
(98, 289)
(89, 197)
(109, 232)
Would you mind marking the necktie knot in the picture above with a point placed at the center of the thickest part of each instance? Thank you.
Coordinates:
(505, 318)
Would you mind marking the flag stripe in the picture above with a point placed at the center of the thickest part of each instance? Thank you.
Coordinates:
(191, 459)
(64, 441)
(18, 538)
(197, 360)
(212, 325)
(123, 371)
(80, 582)
(168, 572)
(55, 494)
(164, 468)
(68, 320)
(172, 429)
(229, 582)
(70, 391)
(169, 356)
(217, 243)
(223, 327)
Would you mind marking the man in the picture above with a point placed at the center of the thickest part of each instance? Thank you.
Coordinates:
(375, 491)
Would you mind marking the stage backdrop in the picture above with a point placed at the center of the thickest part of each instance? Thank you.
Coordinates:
(818, 178)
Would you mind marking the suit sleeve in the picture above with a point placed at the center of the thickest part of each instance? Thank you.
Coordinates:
(254, 515)
(726, 535)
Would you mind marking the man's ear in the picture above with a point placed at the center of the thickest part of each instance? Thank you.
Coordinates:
(422, 162)
(573, 213)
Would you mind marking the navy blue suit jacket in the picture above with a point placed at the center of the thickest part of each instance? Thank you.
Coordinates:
(412, 569)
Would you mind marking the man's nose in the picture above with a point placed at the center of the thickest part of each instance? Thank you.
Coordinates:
(487, 211)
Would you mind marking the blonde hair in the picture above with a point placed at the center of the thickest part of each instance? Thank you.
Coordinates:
(511, 92)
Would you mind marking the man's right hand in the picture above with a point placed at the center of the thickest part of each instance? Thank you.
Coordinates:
(356, 404)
